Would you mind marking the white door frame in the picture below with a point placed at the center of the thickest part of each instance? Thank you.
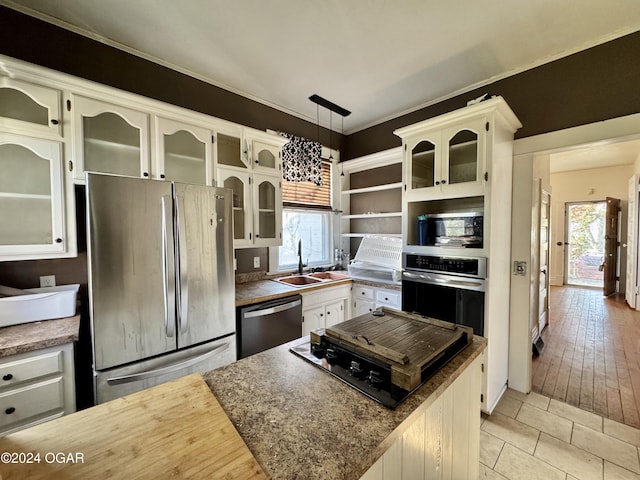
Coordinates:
(527, 152)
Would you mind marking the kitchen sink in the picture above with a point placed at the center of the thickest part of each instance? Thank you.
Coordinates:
(311, 278)
(298, 280)
(328, 275)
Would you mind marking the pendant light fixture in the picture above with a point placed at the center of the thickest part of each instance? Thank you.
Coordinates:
(332, 107)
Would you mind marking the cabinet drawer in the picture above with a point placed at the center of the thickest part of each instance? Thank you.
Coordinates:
(363, 292)
(389, 298)
(21, 405)
(29, 368)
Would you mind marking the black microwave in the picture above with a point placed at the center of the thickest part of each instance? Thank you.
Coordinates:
(451, 229)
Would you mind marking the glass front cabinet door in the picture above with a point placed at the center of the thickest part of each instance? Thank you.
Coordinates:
(183, 153)
(29, 109)
(109, 139)
(267, 215)
(447, 162)
(31, 197)
(239, 182)
(265, 157)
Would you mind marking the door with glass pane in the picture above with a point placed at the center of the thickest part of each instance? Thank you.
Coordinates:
(238, 181)
(109, 139)
(267, 213)
(585, 232)
(184, 153)
(31, 196)
(463, 157)
(29, 108)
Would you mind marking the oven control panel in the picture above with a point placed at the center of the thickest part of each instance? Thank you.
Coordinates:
(471, 266)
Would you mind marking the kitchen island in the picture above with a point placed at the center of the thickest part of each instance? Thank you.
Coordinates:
(296, 420)
(300, 422)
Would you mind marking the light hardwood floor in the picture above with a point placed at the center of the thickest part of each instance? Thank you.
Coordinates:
(591, 357)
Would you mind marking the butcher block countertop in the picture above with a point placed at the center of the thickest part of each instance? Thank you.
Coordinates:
(175, 430)
(28, 337)
(301, 422)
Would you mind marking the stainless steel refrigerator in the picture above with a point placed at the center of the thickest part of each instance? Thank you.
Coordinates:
(161, 285)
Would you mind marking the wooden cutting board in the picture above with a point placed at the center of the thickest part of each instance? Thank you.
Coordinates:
(175, 430)
(405, 341)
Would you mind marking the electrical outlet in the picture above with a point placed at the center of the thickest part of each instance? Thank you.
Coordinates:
(256, 262)
(48, 281)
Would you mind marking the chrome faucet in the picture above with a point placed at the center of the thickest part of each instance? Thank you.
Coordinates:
(300, 257)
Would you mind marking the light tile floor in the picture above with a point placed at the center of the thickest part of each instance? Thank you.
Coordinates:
(535, 437)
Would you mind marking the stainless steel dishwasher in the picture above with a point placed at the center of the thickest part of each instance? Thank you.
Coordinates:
(265, 325)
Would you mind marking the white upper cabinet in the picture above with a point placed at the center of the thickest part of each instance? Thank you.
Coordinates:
(447, 161)
(249, 162)
(265, 157)
(30, 109)
(267, 210)
(108, 138)
(32, 202)
(183, 153)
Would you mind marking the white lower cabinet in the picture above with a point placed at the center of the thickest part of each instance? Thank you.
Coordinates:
(442, 442)
(325, 307)
(36, 387)
(366, 298)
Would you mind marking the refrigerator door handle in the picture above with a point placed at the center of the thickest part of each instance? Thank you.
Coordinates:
(136, 377)
(168, 272)
(182, 277)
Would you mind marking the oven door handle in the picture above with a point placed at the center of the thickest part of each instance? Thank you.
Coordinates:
(433, 279)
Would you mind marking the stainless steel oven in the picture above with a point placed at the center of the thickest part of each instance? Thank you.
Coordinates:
(447, 288)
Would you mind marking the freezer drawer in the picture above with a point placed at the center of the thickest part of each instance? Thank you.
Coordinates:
(122, 381)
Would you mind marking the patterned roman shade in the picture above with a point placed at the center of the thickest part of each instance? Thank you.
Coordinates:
(301, 160)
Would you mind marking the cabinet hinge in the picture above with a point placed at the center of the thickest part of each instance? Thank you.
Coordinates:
(68, 105)
(405, 187)
(405, 147)
(303, 319)
(482, 367)
(249, 180)
(213, 139)
(481, 398)
(486, 126)
(71, 165)
(486, 176)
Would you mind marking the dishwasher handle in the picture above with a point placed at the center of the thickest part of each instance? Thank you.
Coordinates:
(272, 310)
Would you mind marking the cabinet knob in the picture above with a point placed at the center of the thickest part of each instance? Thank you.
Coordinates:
(437, 182)
(145, 174)
(321, 315)
(444, 181)
(10, 410)
(58, 240)
(257, 162)
(162, 175)
(54, 121)
(328, 313)
(7, 377)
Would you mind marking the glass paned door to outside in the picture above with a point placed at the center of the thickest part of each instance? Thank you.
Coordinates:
(585, 238)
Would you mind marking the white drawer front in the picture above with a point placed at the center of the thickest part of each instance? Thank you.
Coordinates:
(360, 292)
(25, 369)
(389, 298)
(22, 404)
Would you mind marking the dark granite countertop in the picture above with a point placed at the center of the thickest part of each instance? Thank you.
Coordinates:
(267, 289)
(300, 422)
(27, 337)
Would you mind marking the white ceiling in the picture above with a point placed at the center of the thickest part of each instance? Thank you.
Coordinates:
(377, 58)
(595, 156)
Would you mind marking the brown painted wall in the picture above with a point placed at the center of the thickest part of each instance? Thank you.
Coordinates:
(590, 86)
(32, 40)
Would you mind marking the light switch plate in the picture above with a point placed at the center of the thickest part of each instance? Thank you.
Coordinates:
(47, 281)
(519, 268)
(256, 262)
